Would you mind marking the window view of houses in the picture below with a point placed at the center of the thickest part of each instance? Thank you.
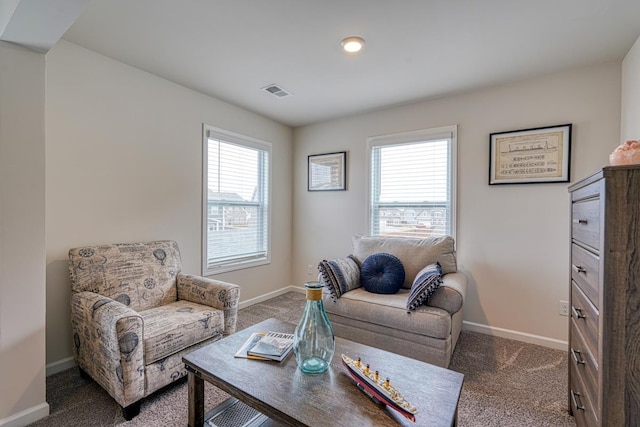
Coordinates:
(412, 221)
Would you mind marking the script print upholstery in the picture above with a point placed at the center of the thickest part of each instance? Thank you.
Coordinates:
(134, 314)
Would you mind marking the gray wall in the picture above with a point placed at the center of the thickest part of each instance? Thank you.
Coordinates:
(630, 122)
(22, 234)
(512, 240)
(124, 164)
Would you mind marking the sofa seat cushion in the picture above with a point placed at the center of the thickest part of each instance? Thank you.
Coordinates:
(391, 311)
(176, 326)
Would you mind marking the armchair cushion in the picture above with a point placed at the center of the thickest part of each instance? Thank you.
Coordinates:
(382, 273)
(140, 275)
(173, 327)
(391, 311)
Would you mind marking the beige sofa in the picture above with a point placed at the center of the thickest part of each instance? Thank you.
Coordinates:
(428, 333)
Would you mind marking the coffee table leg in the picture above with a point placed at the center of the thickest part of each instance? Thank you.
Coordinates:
(196, 400)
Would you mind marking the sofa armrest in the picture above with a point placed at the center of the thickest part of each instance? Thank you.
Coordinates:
(451, 295)
(214, 293)
(109, 345)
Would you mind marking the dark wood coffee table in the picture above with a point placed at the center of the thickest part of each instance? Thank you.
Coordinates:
(286, 395)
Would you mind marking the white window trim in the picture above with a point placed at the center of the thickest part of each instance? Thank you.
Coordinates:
(240, 139)
(443, 132)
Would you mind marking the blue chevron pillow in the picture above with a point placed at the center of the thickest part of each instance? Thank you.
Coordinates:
(427, 281)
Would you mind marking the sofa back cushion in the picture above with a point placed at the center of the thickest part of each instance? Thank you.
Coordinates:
(415, 254)
(139, 275)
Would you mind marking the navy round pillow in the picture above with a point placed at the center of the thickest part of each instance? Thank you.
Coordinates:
(382, 273)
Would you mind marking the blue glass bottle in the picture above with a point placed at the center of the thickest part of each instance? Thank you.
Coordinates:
(314, 342)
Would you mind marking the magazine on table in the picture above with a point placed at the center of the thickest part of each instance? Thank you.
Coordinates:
(266, 346)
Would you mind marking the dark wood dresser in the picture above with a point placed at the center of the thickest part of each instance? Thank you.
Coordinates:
(604, 330)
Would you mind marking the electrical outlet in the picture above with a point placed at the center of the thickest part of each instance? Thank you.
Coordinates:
(564, 308)
(310, 269)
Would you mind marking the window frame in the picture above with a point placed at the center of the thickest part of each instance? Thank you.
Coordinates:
(439, 133)
(231, 137)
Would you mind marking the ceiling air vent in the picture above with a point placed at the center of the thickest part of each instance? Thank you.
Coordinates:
(276, 91)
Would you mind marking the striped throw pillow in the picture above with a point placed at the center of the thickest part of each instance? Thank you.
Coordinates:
(340, 275)
(424, 285)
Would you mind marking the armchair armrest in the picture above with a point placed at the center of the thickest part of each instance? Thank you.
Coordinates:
(109, 344)
(451, 295)
(214, 293)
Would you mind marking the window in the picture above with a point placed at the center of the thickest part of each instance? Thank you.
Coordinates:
(235, 201)
(412, 183)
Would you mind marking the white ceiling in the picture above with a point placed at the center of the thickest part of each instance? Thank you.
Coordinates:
(415, 49)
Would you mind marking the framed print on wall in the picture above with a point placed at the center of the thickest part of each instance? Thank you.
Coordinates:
(527, 156)
(327, 172)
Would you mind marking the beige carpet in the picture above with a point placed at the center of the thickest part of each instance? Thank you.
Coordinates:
(507, 383)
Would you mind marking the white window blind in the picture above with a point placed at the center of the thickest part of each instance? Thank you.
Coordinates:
(412, 183)
(235, 201)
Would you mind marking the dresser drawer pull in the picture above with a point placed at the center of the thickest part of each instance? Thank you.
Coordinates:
(575, 396)
(577, 313)
(577, 357)
(578, 268)
(581, 221)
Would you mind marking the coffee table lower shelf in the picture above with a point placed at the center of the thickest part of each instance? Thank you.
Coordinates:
(234, 413)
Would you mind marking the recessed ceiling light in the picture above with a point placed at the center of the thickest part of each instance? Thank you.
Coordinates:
(352, 44)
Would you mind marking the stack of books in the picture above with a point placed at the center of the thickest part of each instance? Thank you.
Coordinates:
(266, 346)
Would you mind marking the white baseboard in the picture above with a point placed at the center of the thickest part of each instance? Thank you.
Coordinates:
(268, 296)
(60, 365)
(515, 335)
(26, 417)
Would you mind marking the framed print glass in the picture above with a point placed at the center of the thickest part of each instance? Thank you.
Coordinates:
(327, 172)
(538, 155)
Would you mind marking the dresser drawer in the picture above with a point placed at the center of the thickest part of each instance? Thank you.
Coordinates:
(581, 406)
(589, 191)
(585, 271)
(586, 318)
(585, 218)
(585, 364)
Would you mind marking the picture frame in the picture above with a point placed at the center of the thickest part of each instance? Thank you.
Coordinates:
(327, 172)
(529, 156)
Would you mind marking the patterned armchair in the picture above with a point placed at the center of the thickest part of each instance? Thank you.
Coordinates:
(134, 315)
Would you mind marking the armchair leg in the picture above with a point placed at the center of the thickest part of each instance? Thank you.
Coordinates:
(131, 411)
(83, 374)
